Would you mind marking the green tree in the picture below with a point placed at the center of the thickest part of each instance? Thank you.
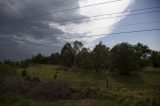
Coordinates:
(55, 58)
(100, 57)
(123, 59)
(37, 59)
(155, 59)
(77, 46)
(67, 55)
(141, 50)
(40, 59)
(83, 59)
(142, 53)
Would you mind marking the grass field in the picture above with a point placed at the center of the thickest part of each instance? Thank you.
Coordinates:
(148, 77)
(142, 89)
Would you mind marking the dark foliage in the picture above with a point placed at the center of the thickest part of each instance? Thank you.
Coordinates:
(83, 59)
(55, 58)
(155, 59)
(24, 73)
(40, 59)
(123, 59)
(100, 57)
(67, 55)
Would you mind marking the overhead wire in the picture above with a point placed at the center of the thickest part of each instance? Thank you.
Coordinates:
(72, 20)
(134, 10)
(55, 12)
(125, 25)
(140, 13)
(116, 33)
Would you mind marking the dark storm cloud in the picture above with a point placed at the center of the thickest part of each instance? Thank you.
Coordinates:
(26, 22)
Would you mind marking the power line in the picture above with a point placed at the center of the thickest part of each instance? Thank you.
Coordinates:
(101, 3)
(141, 23)
(111, 26)
(121, 16)
(117, 33)
(130, 24)
(89, 6)
(145, 30)
(115, 16)
(111, 14)
(41, 15)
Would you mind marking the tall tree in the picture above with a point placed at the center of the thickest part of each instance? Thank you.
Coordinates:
(141, 50)
(155, 59)
(55, 58)
(142, 53)
(83, 59)
(67, 55)
(100, 57)
(123, 59)
(40, 59)
(77, 46)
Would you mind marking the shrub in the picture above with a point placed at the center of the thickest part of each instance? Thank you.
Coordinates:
(24, 73)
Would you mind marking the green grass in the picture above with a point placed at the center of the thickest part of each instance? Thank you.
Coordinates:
(134, 89)
(78, 79)
(151, 69)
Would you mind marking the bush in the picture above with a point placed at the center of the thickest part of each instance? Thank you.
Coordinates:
(24, 73)
(155, 59)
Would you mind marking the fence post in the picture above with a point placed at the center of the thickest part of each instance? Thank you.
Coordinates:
(107, 85)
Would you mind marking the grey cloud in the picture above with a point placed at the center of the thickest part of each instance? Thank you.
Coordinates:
(21, 22)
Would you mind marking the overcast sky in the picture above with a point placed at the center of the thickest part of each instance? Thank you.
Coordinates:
(28, 27)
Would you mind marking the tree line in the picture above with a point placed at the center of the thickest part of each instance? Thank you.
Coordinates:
(123, 58)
